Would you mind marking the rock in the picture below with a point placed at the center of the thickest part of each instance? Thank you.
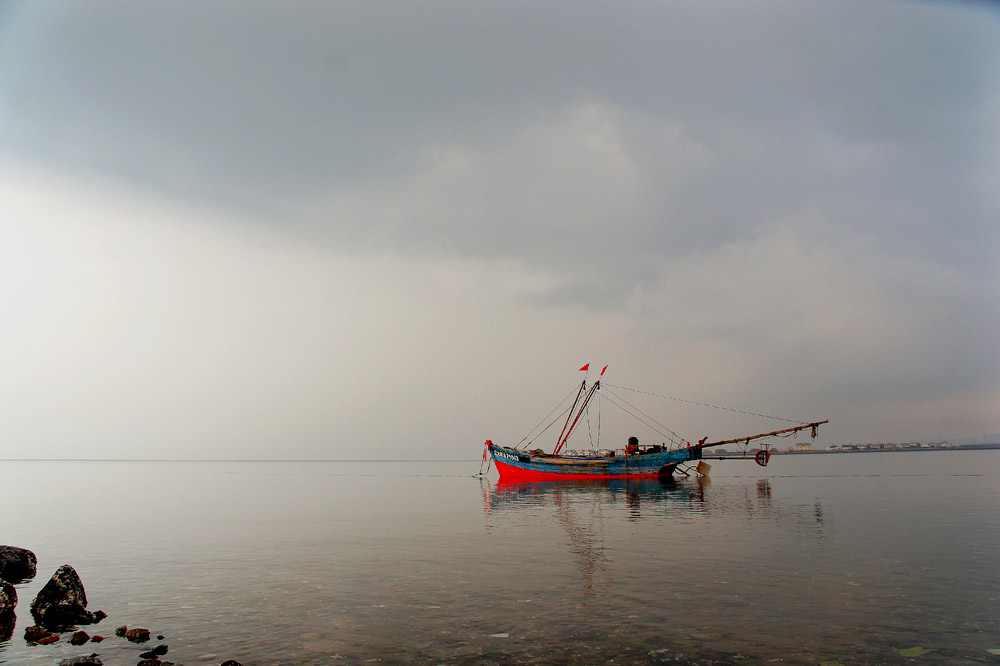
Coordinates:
(7, 622)
(91, 660)
(150, 662)
(231, 662)
(120, 631)
(33, 633)
(96, 639)
(62, 602)
(48, 640)
(79, 638)
(158, 651)
(137, 635)
(8, 597)
(17, 564)
(99, 615)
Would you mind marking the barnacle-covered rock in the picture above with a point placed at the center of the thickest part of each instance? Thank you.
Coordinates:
(62, 602)
(8, 597)
(17, 564)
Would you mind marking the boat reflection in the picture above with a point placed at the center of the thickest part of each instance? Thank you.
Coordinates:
(593, 515)
(634, 493)
(654, 498)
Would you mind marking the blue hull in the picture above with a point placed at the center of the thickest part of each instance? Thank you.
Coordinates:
(517, 465)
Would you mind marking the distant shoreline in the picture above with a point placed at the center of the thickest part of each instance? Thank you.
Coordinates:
(241, 460)
(897, 449)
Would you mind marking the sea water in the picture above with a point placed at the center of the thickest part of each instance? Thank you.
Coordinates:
(856, 558)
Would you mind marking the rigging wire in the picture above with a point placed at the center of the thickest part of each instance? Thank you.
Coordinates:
(703, 404)
(646, 415)
(644, 418)
(595, 448)
(590, 430)
(487, 460)
(630, 409)
(547, 416)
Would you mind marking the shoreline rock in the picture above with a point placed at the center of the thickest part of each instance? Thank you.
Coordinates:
(62, 602)
(7, 622)
(92, 660)
(137, 635)
(155, 653)
(8, 597)
(59, 605)
(34, 633)
(17, 564)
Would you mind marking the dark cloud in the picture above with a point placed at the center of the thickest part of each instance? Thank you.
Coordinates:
(733, 191)
(798, 106)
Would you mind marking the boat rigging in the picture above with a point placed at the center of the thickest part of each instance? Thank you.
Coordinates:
(520, 463)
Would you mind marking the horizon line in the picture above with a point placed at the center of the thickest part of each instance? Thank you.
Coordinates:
(275, 460)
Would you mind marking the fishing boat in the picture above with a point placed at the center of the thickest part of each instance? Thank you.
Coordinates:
(522, 463)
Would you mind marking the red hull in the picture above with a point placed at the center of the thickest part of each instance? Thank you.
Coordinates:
(510, 473)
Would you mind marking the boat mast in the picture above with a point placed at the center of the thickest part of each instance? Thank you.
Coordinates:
(583, 387)
(579, 413)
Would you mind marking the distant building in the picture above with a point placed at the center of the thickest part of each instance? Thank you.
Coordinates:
(803, 446)
(832, 447)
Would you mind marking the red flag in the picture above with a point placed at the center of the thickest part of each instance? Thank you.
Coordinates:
(602, 371)
(586, 367)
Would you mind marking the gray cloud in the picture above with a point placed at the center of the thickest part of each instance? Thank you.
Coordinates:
(841, 107)
(810, 183)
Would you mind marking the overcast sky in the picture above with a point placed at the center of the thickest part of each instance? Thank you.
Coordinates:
(393, 230)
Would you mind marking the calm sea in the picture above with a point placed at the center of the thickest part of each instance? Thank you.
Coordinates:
(867, 558)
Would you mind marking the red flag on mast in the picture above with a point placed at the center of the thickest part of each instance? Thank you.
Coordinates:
(586, 367)
(602, 371)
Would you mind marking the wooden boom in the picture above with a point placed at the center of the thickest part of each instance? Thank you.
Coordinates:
(815, 424)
